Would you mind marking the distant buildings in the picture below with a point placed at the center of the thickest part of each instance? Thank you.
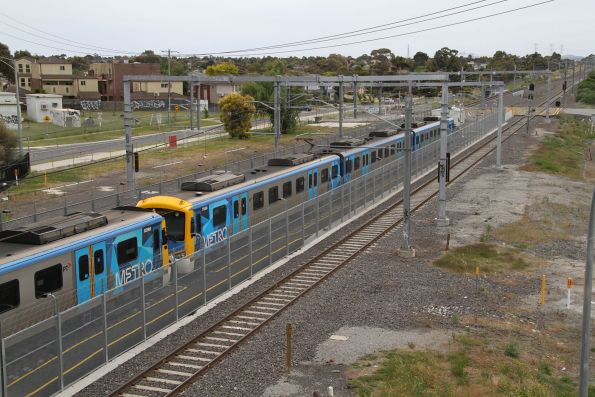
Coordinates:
(109, 76)
(54, 76)
(40, 106)
(8, 110)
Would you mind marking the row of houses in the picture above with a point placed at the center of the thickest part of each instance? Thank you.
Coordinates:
(103, 81)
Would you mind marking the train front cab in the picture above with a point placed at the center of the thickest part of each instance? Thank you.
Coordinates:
(180, 223)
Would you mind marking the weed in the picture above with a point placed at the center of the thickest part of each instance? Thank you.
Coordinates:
(486, 235)
(544, 368)
(456, 319)
(491, 259)
(458, 362)
(511, 350)
(411, 345)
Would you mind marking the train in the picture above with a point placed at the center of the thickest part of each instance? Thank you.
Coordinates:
(81, 255)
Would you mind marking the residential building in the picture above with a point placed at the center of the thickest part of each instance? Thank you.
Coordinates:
(54, 76)
(110, 74)
(214, 92)
(40, 105)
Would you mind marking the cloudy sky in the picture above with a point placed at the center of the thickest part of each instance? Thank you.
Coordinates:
(113, 27)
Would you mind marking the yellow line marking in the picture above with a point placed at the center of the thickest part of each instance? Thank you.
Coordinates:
(32, 371)
(216, 285)
(191, 298)
(83, 341)
(158, 317)
(90, 356)
(124, 319)
(241, 271)
(124, 336)
(42, 386)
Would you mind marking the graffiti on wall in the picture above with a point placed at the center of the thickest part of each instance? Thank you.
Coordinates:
(147, 104)
(91, 105)
(6, 119)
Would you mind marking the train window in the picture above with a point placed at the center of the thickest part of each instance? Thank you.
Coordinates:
(324, 175)
(367, 157)
(236, 209)
(393, 150)
(379, 154)
(48, 280)
(356, 164)
(176, 224)
(373, 156)
(244, 206)
(299, 185)
(315, 178)
(335, 171)
(98, 263)
(220, 216)
(310, 181)
(10, 296)
(386, 153)
(83, 267)
(258, 200)
(127, 250)
(348, 166)
(273, 194)
(287, 189)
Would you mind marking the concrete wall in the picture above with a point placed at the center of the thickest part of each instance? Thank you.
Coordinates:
(56, 68)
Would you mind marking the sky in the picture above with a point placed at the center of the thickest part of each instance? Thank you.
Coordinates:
(201, 27)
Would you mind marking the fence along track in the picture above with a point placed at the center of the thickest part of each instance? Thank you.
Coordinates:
(174, 373)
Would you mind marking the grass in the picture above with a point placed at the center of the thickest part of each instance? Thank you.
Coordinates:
(41, 134)
(542, 222)
(563, 153)
(476, 366)
(489, 257)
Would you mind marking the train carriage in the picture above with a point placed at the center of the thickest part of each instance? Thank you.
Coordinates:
(78, 256)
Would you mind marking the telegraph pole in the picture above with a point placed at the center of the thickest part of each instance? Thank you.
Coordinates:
(341, 107)
(355, 96)
(500, 122)
(406, 250)
(549, 98)
(442, 220)
(277, 114)
(169, 51)
(128, 132)
(191, 105)
(18, 98)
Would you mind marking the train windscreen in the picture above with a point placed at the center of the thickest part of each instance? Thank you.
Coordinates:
(175, 223)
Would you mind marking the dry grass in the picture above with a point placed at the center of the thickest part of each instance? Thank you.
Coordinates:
(490, 258)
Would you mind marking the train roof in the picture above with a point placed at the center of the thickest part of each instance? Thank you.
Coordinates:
(61, 234)
(221, 183)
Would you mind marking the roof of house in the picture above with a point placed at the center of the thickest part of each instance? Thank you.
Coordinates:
(45, 60)
(44, 95)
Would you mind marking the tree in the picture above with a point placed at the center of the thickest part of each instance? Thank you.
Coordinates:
(236, 114)
(5, 69)
(8, 141)
(337, 64)
(222, 69)
(21, 53)
(381, 61)
(147, 56)
(447, 60)
(420, 59)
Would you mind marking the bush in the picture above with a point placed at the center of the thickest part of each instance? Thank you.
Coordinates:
(8, 142)
(586, 90)
(236, 114)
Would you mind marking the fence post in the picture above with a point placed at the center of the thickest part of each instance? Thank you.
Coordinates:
(228, 261)
(365, 183)
(105, 338)
(342, 188)
(65, 207)
(204, 271)
(270, 241)
(317, 212)
(286, 232)
(34, 212)
(374, 187)
(330, 203)
(303, 225)
(60, 357)
(175, 273)
(3, 367)
(142, 295)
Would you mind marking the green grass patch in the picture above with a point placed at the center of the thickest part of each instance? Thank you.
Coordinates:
(489, 257)
(562, 154)
(585, 92)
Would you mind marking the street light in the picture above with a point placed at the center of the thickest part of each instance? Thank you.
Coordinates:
(16, 89)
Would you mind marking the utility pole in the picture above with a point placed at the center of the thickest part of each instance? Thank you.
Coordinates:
(587, 294)
(198, 116)
(406, 249)
(500, 122)
(549, 98)
(564, 84)
(169, 51)
(277, 114)
(529, 106)
(442, 220)
(18, 98)
(341, 107)
(573, 68)
(191, 105)
(128, 132)
(380, 99)
(355, 96)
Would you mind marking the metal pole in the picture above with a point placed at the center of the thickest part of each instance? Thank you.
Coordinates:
(177, 298)
(564, 91)
(277, 118)
(168, 87)
(500, 122)
(198, 116)
(585, 343)
(142, 300)
(18, 98)
(529, 105)
(380, 100)
(3, 365)
(442, 220)
(191, 106)
(355, 96)
(204, 271)
(341, 107)
(406, 249)
(549, 98)
(514, 79)
(105, 338)
(59, 339)
(128, 132)
(573, 67)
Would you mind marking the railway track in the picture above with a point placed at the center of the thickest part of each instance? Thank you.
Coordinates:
(177, 371)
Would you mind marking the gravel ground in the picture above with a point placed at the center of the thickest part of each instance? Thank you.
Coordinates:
(377, 290)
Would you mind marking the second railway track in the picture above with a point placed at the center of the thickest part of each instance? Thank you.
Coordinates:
(178, 370)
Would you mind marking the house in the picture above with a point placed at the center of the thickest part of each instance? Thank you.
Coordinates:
(40, 105)
(54, 76)
(213, 92)
(8, 110)
(111, 88)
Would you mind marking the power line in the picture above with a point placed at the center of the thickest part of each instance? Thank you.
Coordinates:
(45, 45)
(400, 34)
(62, 38)
(365, 31)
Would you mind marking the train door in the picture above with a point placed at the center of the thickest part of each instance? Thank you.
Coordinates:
(365, 162)
(335, 174)
(239, 209)
(91, 272)
(312, 183)
(215, 231)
